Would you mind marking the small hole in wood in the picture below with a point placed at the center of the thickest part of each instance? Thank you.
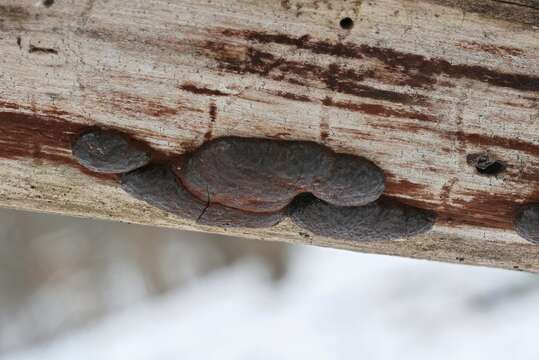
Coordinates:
(486, 164)
(347, 23)
(48, 3)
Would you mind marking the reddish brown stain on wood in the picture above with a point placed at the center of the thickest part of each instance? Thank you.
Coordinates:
(51, 110)
(291, 96)
(378, 110)
(399, 187)
(247, 60)
(417, 70)
(483, 210)
(348, 81)
(501, 51)
(530, 174)
(421, 71)
(496, 141)
(41, 138)
(213, 111)
(213, 118)
(303, 42)
(371, 109)
(199, 90)
(22, 134)
(324, 129)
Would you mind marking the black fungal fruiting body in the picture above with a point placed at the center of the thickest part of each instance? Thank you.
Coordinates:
(527, 223)
(238, 182)
(109, 152)
(263, 175)
(384, 219)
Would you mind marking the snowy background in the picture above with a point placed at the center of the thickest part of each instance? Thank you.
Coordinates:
(81, 289)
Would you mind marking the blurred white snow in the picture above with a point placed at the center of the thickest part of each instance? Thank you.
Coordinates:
(328, 304)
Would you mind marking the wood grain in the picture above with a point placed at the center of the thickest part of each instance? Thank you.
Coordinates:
(415, 86)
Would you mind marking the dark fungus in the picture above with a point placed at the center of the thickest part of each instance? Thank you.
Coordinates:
(109, 152)
(384, 219)
(261, 175)
(238, 182)
(158, 186)
(527, 222)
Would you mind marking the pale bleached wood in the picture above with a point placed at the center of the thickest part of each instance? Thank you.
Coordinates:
(414, 85)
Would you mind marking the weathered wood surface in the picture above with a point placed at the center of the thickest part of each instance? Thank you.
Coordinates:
(415, 85)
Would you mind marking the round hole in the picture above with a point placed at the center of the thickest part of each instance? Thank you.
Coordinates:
(347, 23)
(48, 3)
(486, 164)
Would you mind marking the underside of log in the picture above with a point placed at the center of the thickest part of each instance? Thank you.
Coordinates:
(443, 95)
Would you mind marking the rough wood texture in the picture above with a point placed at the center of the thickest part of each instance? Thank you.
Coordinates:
(415, 85)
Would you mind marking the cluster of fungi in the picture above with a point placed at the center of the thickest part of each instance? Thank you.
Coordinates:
(256, 183)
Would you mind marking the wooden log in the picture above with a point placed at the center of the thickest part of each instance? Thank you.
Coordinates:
(420, 87)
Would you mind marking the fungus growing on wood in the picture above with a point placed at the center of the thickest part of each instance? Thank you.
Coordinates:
(384, 219)
(263, 175)
(527, 223)
(240, 182)
(158, 186)
(109, 152)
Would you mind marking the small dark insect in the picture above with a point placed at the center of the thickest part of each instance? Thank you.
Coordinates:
(158, 186)
(384, 219)
(109, 152)
(526, 223)
(261, 175)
